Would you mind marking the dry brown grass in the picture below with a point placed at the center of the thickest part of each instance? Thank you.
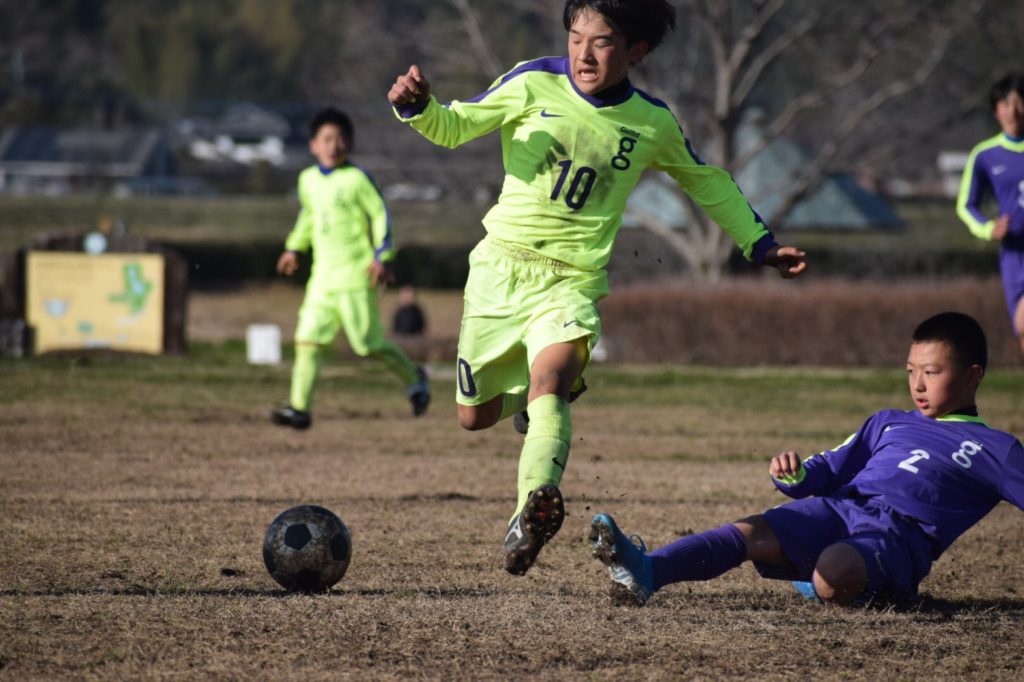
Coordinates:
(134, 495)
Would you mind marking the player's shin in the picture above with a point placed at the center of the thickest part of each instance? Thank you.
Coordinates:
(546, 446)
(304, 375)
(699, 557)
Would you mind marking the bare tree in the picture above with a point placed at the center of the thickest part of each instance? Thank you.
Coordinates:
(827, 75)
(836, 67)
(856, 84)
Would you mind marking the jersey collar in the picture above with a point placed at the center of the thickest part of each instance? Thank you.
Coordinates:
(974, 419)
(609, 97)
(1012, 143)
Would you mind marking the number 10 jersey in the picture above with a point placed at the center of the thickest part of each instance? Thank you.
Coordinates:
(571, 160)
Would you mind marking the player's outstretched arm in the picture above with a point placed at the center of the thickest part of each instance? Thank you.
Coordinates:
(410, 88)
(789, 260)
(288, 263)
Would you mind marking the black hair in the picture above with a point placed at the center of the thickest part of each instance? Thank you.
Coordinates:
(333, 116)
(646, 20)
(1013, 82)
(963, 334)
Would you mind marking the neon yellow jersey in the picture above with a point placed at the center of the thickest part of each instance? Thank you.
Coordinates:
(344, 220)
(571, 160)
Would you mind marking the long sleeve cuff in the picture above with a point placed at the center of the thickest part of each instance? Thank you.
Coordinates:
(409, 111)
(761, 248)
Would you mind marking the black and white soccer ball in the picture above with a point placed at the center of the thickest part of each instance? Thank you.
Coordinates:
(307, 549)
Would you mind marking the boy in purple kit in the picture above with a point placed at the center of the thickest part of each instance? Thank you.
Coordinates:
(996, 167)
(871, 515)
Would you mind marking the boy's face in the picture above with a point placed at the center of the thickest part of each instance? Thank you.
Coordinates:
(1010, 114)
(599, 56)
(939, 384)
(329, 146)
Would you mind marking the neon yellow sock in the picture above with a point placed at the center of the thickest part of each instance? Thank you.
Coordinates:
(304, 375)
(546, 447)
(512, 403)
(397, 362)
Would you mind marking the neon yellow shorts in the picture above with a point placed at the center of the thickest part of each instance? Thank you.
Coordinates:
(518, 303)
(323, 313)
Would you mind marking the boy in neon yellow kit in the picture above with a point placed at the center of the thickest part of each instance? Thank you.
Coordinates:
(576, 137)
(345, 222)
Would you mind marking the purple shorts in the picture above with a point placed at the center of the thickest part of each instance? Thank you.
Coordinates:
(896, 552)
(1011, 267)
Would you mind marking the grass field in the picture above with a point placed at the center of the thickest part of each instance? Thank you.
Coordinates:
(134, 494)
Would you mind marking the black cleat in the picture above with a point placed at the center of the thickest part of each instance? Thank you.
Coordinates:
(521, 420)
(286, 415)
(419, 393)
(540, 519)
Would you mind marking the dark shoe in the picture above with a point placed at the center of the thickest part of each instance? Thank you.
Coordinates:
(521, 420)
(419, 393)
(533, 527)
(286, 415)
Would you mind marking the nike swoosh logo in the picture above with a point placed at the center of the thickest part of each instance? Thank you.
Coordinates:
(890, 427)
(569, 323)
(544, 114)
(558, 464)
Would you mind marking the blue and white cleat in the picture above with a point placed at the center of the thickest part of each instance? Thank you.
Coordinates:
(628, 564)
(806, 589)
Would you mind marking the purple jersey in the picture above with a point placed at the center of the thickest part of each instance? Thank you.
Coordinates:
(996, 167)
(945, 474)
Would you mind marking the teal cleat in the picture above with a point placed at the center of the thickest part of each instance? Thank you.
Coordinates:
(628, 564)
(806, 589)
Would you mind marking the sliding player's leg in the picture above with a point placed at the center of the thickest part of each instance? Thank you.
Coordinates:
(637, 573)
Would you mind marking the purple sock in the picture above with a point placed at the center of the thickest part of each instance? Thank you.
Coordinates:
(699, 557)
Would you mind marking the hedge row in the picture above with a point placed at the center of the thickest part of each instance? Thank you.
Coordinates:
(758, 321)
(638, 257)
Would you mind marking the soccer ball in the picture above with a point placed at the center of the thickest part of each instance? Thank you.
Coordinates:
(307, 549)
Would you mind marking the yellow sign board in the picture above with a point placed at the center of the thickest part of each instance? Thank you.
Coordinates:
(77, 300)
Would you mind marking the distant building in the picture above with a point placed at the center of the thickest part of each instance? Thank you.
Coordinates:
(243, 133)
(54, 161)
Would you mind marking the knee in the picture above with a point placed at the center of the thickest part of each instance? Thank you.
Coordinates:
(551, 382)
(840, 574)
(473, 418)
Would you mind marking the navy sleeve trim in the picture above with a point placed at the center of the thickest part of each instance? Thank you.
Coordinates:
(555, 65)
(412, 109)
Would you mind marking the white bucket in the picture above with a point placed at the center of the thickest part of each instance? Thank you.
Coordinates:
(263, 344)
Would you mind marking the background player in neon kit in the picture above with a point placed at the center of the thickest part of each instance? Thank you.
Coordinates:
(996, 166)
(576, 137)
(345, 222)
(887, 502)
